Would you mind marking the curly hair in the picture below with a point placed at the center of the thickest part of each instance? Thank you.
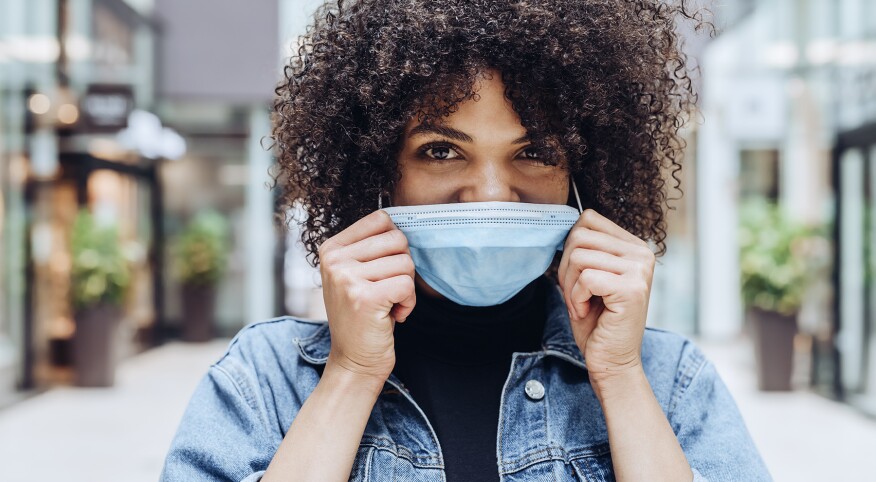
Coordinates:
(603, 82)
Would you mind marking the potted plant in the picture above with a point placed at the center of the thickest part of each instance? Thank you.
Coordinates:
(777, 264)
(201, 257)
(99, 281)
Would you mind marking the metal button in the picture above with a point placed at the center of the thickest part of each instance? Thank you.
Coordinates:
(534, 390)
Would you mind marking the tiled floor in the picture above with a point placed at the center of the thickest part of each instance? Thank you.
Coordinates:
(122, 433)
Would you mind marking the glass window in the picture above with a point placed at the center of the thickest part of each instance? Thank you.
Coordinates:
(759, 173)
(852, 267)
(870, 350)
(12, 222)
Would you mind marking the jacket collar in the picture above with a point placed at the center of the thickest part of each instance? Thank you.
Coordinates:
(557, 340)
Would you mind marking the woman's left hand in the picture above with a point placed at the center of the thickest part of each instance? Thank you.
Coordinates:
(605, 274)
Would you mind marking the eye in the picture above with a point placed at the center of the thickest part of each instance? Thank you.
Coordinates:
(438, 152)
(535, 155)
(531, 153)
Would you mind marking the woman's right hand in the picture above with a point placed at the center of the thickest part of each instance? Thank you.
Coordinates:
(368, 285)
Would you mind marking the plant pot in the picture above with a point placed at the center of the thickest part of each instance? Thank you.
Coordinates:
(773, 336)
(199, 308)
(94, 345)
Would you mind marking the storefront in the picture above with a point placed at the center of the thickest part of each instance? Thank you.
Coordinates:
(122, 194)
(12, 287)
(791, 116)
(848, 367)
(70, 75)
(26, 60)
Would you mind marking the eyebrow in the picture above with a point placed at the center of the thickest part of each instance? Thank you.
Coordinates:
(454, 134)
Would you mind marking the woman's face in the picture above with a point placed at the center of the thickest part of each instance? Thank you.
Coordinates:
(479, 153)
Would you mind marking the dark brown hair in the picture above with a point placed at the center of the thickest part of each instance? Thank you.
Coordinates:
(604, 83)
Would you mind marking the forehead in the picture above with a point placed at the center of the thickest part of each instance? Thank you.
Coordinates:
(486, 112)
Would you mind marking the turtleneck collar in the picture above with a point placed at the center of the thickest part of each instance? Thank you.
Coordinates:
(472, 335)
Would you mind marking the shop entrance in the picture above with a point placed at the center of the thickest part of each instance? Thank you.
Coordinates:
(850, 367)
(127, 195)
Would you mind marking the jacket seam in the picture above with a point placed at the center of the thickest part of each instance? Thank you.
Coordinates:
(253, 325)
(416, 460)
(231, 378)
(439, 457)
(250, 403)
(307, 345)
(692, 365)
(500, 431)
(553, 452)
(368, 465)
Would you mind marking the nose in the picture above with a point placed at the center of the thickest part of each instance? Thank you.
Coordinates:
(489, 181)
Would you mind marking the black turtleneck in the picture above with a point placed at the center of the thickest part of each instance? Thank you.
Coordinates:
(454, 360)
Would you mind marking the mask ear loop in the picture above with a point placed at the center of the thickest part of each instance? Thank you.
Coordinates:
(577, 197)
(380, 199)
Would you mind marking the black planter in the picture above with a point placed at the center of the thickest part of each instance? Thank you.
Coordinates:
(199, 308)
(773, 337)
(94, 345)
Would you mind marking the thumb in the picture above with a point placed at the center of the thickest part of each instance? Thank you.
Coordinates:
(584, 326)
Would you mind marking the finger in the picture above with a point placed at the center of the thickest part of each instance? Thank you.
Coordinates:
(377, 246)
(582, 258)
(399, 313)
(583, 327)
(592, 282)
(374, 223)
(387, 267)
(399, 290)
(597, 222)
(562, 269)
(584, 237)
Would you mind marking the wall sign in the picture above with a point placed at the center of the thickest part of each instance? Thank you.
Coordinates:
(105, 108)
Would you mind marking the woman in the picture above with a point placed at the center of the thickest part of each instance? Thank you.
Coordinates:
(489, 322)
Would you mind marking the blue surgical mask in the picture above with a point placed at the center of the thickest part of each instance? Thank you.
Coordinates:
(483, 253)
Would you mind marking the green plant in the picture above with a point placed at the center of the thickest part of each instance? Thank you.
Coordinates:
(201, 250)
(778, 257)
(99, 272)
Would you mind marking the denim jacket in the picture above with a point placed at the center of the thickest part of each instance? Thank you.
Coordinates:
(242, 408)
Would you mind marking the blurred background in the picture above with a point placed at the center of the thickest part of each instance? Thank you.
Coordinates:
(137, 230)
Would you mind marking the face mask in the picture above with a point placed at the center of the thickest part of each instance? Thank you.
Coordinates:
(483, 253)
